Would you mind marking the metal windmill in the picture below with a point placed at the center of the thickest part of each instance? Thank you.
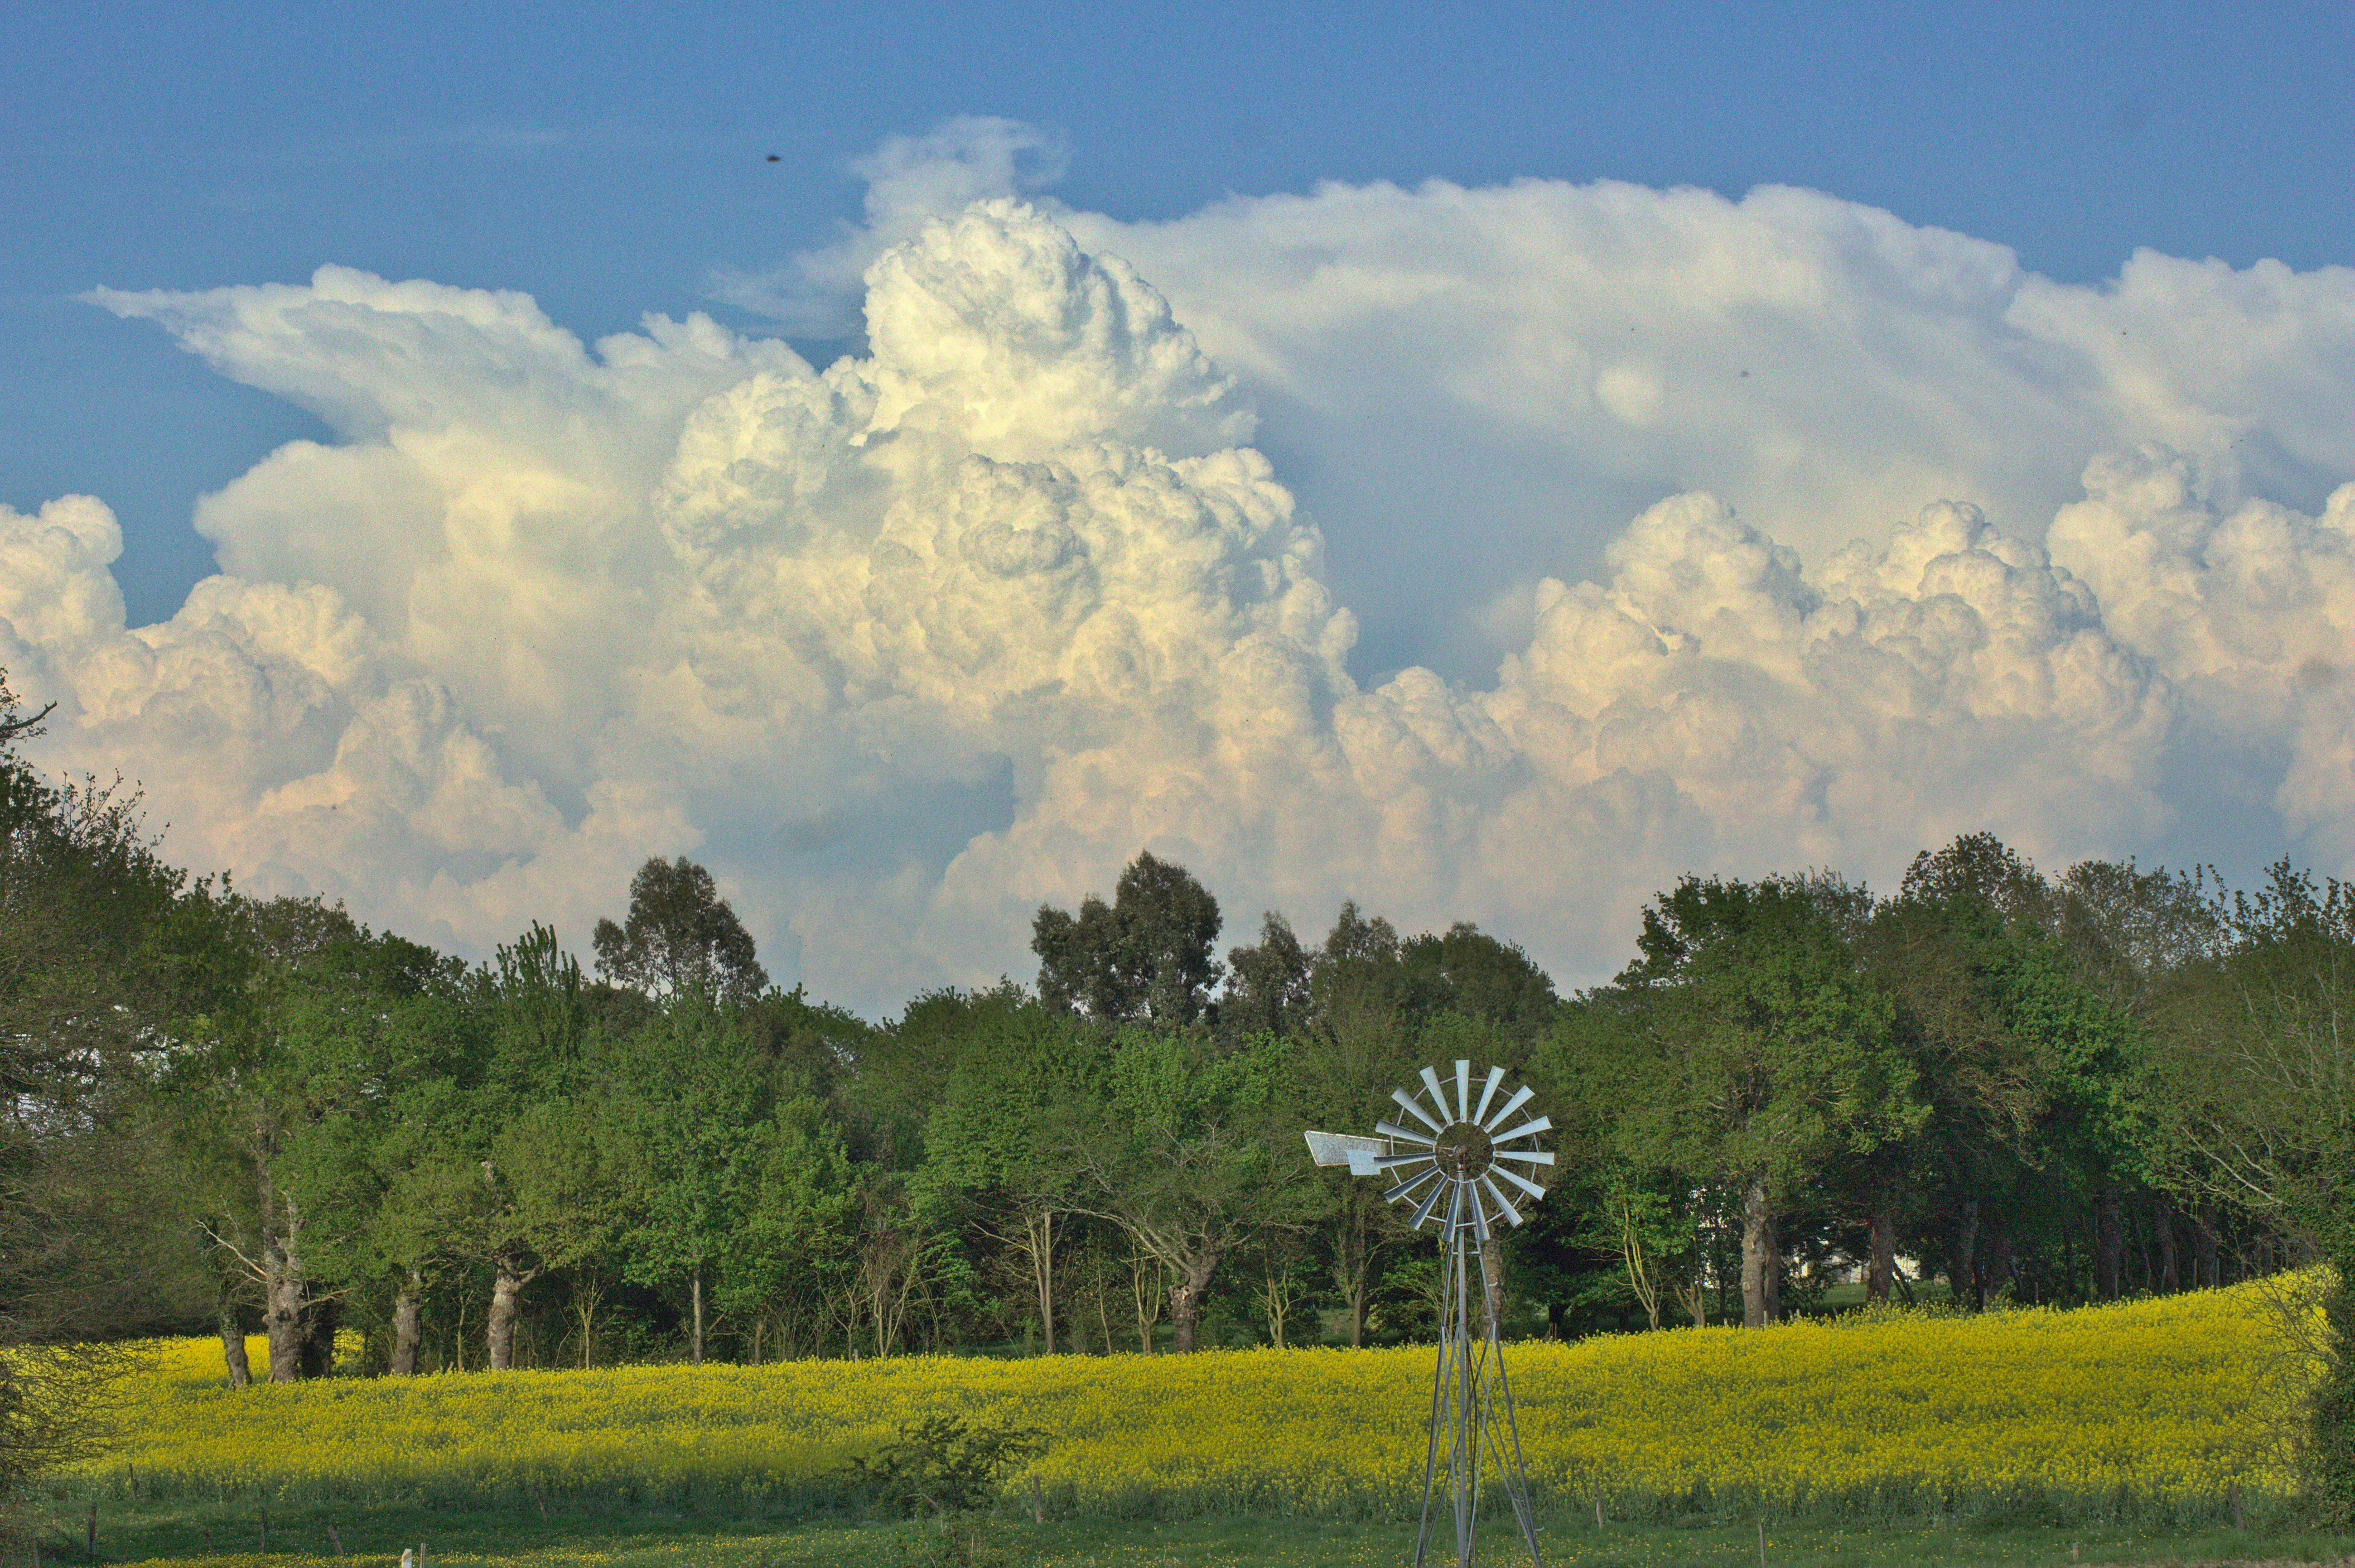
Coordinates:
(1455, 1168)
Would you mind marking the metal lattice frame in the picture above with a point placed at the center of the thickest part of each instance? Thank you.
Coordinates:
(1452, 1164)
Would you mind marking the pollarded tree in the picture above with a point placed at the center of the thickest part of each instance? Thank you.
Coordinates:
(679, 936)
(1146, 956)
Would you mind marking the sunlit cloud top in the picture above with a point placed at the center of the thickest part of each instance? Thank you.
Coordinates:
(1698, 534)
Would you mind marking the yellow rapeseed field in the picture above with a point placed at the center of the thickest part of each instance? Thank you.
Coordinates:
(2166, 1402)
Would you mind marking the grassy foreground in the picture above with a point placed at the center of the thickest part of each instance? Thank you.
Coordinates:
(228, 1537)
(2142, 1414)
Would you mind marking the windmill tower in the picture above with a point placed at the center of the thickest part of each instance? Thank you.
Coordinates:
(1455, 1165)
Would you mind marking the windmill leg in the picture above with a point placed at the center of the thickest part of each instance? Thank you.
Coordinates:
(1467, 1430)
(1439, 1387)
(1514, 1473)
(1475, 1425)
(1443, 1386)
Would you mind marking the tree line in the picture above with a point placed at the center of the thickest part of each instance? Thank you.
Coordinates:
(1990, 1085)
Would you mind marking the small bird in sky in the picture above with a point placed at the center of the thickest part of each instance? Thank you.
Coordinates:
(774, 159)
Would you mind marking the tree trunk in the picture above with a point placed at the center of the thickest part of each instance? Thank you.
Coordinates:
(694, 1290)
(2000, 1276)
(2108, 1243)
(1144, 1294)
(1964, 1270)
(499, 1338)
(1762, 1263)
(1038, 1246)
(408, 1311)
(1882, 1267)
(319, 1321)
(283, 1286)
(2207, 1266)
(1353, 1255)
(2170, 1267)
(1185, 1295)
(232, 1339)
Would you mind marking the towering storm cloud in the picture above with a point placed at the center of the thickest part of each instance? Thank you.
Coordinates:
(903, 646)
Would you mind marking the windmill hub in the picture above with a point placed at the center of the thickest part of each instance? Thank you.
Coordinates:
(1464, 1151)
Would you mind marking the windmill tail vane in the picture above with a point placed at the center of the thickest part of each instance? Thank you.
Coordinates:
(1452, 1161)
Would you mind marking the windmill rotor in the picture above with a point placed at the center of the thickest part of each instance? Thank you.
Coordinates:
(1450, 1168)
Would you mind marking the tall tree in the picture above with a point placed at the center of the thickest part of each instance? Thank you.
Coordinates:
(1001, 1133)
(1267, 982)
(679, 936)
(86, 903)
(1758, 1051)
(1146, 956)
(1358, 1043)
(1469, 971)
(685, 1095)
(1944, 951)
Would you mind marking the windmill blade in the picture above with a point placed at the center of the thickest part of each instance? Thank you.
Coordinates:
(1438, 1094)
(1517, 1180)
(1406, 1100)
(1527, 1156)
(1409, 1185)
(1496, 1076)
(1399, 1162)
(1423, 1212)
(1463, 1089)
(1521, 1097)
(1527, 1129)
(1511, 1213)
(1416, 1109)
(1404, 1135)
(1480, 1212)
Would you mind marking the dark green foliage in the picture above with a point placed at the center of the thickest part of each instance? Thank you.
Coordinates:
(1144, 957)
(679, 936)
(1267, 988)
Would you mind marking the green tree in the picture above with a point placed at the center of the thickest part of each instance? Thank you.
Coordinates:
(794, 1193)
(1267, 989)
(683, 1098)
(1358, 1043)
(679, 936)
(1145, 957)
(1755, 1051)
(87, 907)
(2258, 1084)
(1001, 1134)
(1181, 1152)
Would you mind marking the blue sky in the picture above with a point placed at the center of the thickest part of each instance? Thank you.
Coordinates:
(1483, 462)
(606, 160)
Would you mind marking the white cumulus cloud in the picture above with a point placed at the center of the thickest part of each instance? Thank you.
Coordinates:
(903, 646)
